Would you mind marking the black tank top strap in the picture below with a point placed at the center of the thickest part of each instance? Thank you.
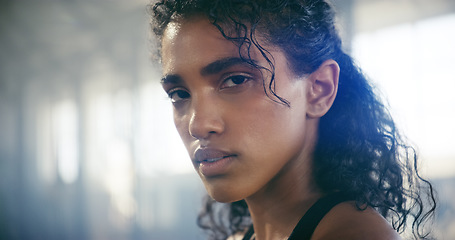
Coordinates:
(249, 233)
(308, 223)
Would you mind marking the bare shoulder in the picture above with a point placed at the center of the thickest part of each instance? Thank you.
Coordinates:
(345, 221)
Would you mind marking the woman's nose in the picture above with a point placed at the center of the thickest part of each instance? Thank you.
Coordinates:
(206, 119)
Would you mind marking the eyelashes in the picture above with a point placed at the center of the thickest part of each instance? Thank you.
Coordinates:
(179, 95)
(234, 81)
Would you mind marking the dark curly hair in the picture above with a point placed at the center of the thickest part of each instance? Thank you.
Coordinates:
(359, 149)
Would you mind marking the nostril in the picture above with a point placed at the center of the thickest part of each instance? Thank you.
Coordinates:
(205, 119)
(203, 126)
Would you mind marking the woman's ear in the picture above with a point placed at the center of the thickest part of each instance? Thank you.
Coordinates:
(322, 88)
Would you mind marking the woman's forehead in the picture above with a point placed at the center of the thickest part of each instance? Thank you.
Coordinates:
(194, 43)
(197, 42)
(200, 27)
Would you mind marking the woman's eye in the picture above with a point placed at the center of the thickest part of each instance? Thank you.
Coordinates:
(178, 95)
(234, 81)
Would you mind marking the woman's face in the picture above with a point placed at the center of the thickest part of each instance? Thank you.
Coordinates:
(240, 140)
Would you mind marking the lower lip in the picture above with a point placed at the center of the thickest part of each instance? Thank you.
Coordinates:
(212, 169)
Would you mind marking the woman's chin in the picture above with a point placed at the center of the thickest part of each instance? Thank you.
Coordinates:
(224, 196)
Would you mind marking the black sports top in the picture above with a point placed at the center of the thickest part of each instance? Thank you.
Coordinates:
(305, 227)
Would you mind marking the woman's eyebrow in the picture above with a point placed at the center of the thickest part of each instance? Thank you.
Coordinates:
(171, 79)
(212, 68)
(222, 64)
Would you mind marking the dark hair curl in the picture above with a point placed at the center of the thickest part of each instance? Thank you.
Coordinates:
(359, 149)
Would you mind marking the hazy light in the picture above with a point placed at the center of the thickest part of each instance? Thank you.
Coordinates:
(44, 143)
(160, 150)
(119, 176)
(413, 63)
(110, 155)
(66, 140)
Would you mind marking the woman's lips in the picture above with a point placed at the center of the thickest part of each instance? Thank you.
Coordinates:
(212, 162)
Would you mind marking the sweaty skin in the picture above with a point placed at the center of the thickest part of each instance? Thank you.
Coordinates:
(264, 137)
(243, 143)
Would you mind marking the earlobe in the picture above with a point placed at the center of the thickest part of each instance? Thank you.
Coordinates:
(322, 88)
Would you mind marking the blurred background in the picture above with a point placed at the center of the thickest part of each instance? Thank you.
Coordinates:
(88, 149)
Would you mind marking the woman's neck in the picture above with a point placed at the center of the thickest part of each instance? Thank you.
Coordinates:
(277, 208)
